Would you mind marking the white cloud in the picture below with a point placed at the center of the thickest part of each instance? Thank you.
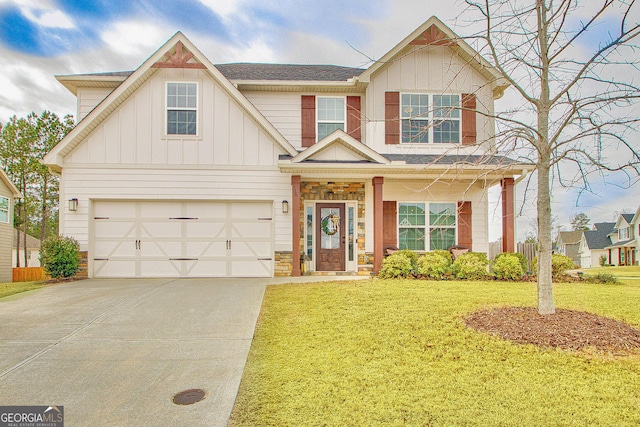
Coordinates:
(42, 12)
(136, 38)
(224, 8)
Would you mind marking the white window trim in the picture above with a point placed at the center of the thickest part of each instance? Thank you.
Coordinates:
(623, 233)
(344, 113)
(430, 119)
(427, 226)
(8, 210)
(166, 110)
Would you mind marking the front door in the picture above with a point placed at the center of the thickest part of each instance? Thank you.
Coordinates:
(330, 246)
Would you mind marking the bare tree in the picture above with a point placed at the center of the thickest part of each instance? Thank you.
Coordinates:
(572, 64)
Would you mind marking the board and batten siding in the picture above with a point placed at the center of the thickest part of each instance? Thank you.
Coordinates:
(88, 98)
(6, 238)
(423, 69)
(439, 192)
(129, 157)
(135, 132)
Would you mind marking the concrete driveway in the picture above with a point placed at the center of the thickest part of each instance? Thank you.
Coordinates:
(115, 352)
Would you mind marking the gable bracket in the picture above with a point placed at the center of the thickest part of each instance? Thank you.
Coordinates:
(179, 59)
(433, 36)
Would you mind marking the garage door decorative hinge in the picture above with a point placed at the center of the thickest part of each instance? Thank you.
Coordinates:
(265, 219)
(183, 218)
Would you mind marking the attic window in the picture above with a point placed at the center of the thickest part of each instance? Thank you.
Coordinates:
(182, 102)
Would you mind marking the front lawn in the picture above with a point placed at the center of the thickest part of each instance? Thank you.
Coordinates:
(7, 289)
(385, 352)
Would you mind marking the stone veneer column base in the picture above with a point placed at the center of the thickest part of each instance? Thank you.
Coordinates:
(283, 264)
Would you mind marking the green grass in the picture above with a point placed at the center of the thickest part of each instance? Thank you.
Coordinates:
(626, 274)
(384, 352)
(8, 289)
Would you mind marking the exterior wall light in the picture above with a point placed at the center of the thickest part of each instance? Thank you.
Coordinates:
(285, 206)
(73, 205)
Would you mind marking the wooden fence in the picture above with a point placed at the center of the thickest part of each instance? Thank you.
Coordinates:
(529, 250)
(28, 274)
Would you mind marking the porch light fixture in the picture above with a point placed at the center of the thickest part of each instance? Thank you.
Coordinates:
(73, 204)
(285, 206)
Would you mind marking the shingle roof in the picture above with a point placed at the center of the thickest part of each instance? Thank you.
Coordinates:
(628, 217)
(258, 71)
(571, 237)
(629, 242)
(32, 242)
(598, 238)
(425, 159)
(251, 71)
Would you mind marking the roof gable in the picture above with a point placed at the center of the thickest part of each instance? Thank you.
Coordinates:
(339, 147)
(171, 54)
(434, 32)
(624, 220)
(569, 237)
(7, 182)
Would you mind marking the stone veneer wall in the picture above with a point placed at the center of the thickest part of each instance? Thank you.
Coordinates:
(336, 191)
(283, 264)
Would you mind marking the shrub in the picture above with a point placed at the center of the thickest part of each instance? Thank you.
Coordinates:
(508, 266)
(445, 254)
(559, 265)
(524, 262)
(395, 266)
(471, 265)
(602, 278)
(603, 260)
(434, 264)
(413, 257)
(59, 256)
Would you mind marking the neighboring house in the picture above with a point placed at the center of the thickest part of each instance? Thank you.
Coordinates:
(183, 168)
(568, 244)
(33, 251)
(593, 244)
(624, 240)
(8, 192)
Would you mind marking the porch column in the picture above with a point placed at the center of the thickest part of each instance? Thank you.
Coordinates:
(508, 216)
(377, 223)
(295, 225)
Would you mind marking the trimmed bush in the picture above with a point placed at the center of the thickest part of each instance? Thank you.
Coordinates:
(413, 257)
(524, 262)
(59, 256)
(471, 265)
(396, 265)
(559, 265)
(434, 264)
(445, 254)
(507, 266)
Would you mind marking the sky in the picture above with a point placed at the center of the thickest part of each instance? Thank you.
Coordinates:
(43, 38)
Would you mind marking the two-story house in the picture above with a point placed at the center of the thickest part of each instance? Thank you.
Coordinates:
(624, 240)
(183, 168)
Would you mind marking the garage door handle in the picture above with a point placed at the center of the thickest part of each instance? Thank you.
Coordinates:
(228, 244)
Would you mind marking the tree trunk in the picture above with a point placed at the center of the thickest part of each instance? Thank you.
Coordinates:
(545, 285)
(17, 233)
(43, 223)
(25, 225)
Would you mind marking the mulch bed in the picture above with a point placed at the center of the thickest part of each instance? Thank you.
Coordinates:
(567, 329)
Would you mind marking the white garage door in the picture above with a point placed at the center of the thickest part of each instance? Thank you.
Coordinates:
(182, 239)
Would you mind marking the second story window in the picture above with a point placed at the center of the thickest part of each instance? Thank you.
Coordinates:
(331, 115)
(182, 105)
(4, 209)
(429, 118)
(623, 233)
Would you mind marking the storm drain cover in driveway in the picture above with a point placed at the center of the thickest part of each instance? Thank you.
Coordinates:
(189, 397)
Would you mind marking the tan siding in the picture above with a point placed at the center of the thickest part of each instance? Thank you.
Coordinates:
(426, 69)
(173, 184)
(88, 98)
(283, 111)
(6, 238)
(135, 132)
(415, 191)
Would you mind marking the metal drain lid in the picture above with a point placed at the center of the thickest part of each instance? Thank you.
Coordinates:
(189, 397)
